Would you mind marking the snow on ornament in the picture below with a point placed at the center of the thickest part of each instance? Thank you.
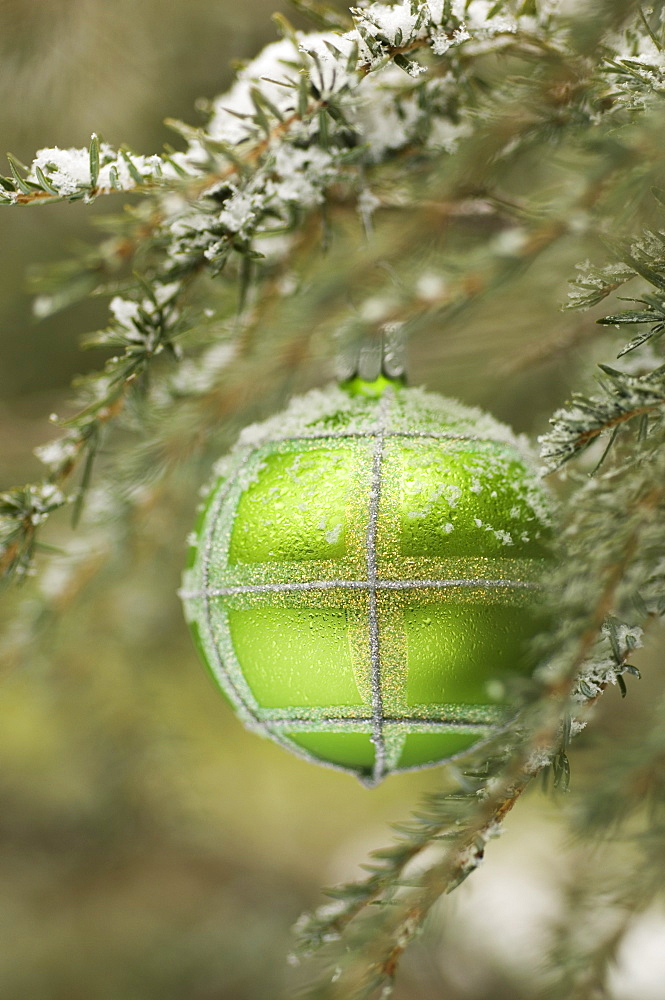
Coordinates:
(365, 567)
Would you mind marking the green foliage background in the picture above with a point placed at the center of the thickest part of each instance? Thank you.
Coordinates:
(149, 847)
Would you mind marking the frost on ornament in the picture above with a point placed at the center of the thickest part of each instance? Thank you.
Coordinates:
(363, 568)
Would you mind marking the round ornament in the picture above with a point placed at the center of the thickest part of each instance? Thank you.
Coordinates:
(365, 566)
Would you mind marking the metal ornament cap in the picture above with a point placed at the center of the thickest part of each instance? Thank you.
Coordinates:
(364, 570)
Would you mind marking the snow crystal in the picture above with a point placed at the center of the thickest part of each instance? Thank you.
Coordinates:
(460, 35)
(275, 62)
(502, 536)
(452, 494)
(164, 292)
(239, 211)
(640, 49)
(45, 498)
(627, 636)
(176, 159)
(147, 166)
(124, 311)
(301, 411)
(303, 175)
(645, 360)
(476, 16)
(333, 535)
(541, 757)
(386, 116)
(441, 42)
(460, 419)
(436, 10)
(395, 23)
(329, 71)
(127, 313)
(55, 453)
(68, 170)
(275, 72)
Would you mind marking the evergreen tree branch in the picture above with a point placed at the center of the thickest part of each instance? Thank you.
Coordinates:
(234, 166)
(626, 557)
(366, 945)
(627, 398)
(315, 130)
(629, 807)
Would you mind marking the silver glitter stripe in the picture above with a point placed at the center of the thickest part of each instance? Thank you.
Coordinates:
(443, 584)
(267, 588)
(234, 692)
(372, 576)
(415, 725)
(351, 435)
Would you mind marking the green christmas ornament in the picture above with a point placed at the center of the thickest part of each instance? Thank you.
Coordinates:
(365, 566)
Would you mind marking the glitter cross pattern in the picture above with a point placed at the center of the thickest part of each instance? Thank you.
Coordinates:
(356, 582)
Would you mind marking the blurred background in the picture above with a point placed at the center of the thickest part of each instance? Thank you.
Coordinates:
(149, 847)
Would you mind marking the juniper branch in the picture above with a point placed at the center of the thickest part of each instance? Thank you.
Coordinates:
(630, 805)
(200, 239)
(622, 569)
(231, 193)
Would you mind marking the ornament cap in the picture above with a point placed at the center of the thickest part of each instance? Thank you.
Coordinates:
(379, 362)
